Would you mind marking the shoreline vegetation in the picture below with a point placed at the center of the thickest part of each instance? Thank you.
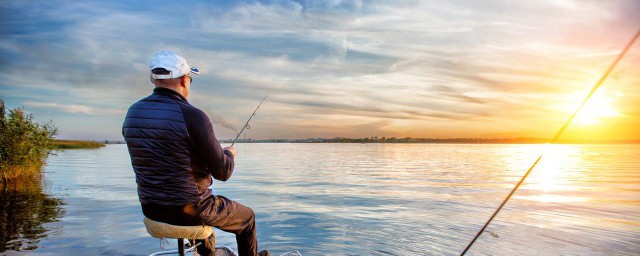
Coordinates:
(76, 144)
(24, 145)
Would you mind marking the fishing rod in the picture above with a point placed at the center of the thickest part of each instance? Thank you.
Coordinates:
(246, 125)
(555, 138)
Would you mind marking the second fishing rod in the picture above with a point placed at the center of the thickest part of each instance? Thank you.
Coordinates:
(556, 137)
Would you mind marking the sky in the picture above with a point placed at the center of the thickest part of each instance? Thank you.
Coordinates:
(437, 69)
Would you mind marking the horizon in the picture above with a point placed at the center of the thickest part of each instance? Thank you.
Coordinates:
(352, 69)
(375, 139)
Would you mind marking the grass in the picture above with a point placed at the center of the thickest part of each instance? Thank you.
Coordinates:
(76, 144)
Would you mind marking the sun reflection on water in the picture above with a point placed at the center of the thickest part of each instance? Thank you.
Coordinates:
(554, 179)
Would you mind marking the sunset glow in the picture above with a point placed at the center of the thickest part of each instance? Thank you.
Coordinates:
(597, 110)
(499, 69)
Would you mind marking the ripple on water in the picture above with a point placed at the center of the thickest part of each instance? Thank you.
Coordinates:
(376, 199)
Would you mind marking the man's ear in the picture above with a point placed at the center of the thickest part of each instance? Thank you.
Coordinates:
(183, 81)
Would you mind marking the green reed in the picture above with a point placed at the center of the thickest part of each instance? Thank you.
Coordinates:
(24, 144)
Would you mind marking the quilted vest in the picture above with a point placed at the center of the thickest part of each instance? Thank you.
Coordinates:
(158, 142)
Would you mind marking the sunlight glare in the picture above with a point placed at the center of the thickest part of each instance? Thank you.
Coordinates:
(598, 108)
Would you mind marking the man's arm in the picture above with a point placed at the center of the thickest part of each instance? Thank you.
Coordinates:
(219, 162)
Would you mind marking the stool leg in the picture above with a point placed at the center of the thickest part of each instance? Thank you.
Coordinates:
(181, 246)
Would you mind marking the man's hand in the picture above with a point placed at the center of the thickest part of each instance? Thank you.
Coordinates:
(232, 150)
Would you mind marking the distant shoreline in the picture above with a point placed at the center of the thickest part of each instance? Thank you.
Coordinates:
(433, 141)
(418, 141)
(76, 144)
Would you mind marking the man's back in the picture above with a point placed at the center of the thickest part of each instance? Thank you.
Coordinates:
(175, 156)
(158, 143)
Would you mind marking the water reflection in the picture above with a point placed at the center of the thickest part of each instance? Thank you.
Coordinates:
(556, 177)
(24, 211)
(372, 199)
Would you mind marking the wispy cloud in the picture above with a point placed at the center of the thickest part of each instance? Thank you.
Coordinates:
(73, 109)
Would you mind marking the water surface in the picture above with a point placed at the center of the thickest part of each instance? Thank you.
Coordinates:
(374, 199)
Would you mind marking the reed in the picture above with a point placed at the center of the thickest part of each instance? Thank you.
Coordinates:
(76, 144)
(24, 144)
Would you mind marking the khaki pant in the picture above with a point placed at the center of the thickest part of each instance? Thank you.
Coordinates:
(230, 216)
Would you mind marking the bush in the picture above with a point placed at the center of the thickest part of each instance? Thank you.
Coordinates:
(24, 145)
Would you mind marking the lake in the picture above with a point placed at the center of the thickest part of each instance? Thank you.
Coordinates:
(360, 199)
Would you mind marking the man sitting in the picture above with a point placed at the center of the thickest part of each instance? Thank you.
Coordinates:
(175, 154)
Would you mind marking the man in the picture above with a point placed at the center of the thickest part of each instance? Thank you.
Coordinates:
(175, 154)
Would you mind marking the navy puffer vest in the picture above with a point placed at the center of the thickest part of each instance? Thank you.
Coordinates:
(158, 142)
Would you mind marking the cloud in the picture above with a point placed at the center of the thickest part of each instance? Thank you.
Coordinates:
(376, 61)
(73, 109)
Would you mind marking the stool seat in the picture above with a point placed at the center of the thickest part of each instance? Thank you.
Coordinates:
(163, 230)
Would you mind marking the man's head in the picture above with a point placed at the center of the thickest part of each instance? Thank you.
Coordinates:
(170, 70)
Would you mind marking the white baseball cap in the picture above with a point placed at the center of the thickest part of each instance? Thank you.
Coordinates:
(171, 61)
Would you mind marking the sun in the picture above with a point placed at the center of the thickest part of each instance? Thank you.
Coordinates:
(599, 108)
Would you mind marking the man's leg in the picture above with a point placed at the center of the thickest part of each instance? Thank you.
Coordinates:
(231, 216)
(208, 246)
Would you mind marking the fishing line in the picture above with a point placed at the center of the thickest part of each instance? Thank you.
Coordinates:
(555, 138)
(246, 125)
